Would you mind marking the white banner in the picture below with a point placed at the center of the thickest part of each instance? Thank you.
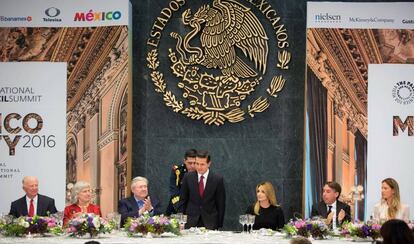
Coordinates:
(397, 15)
(32, 129)
(390, 130)
(73, 13)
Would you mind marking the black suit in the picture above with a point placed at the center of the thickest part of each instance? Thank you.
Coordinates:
(322, 210)
(128, 207)
(208, 210)
(45, 206)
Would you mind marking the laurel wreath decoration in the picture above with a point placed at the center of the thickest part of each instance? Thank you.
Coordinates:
(214, 117)
(276, 85)
(284, 59)
(153, 63)
(258, 106)
(172, 102)
(159, 82)
(193, 113)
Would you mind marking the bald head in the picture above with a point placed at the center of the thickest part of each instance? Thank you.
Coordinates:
(30, 186)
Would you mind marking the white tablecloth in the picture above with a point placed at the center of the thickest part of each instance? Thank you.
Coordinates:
(211, 237)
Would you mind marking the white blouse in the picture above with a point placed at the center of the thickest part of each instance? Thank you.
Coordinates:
(381, 212)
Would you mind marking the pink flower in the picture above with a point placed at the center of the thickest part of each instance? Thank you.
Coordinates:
(376, 226)
(300, 224)
(51, 224)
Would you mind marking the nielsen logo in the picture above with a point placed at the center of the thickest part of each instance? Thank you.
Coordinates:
(327, 18)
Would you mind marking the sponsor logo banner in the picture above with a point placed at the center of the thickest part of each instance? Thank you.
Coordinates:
(360, 15)
(76, 13)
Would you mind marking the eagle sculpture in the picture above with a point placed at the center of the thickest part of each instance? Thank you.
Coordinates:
(225, 26)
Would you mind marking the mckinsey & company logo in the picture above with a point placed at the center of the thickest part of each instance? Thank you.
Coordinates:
(52, 14)
(327, 18)
(403, 92)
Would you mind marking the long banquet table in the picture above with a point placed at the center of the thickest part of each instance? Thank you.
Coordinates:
(211, 237)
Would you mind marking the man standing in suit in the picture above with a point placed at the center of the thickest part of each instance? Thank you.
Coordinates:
(335, 211)
(203, 197)
(32, 203)
(138, 204)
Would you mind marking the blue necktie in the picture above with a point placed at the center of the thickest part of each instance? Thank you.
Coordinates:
(140, 204)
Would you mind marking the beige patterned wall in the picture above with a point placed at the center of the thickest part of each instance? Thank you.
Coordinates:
(97, 99)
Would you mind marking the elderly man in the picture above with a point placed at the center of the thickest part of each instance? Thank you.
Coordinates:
(32, 203)
(138, 204)
(335, 211)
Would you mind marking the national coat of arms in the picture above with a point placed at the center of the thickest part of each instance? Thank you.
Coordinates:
(219, 62)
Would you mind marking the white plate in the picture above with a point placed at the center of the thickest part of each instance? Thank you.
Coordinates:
(168, 234)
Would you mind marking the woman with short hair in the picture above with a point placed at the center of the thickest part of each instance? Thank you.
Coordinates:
(81, 196)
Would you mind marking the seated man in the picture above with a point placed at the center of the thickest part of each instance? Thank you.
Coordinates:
(138, 204)
(331, 205)
(32, 203)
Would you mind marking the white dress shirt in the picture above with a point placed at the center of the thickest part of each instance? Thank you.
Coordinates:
(333, 210)
(205, 177)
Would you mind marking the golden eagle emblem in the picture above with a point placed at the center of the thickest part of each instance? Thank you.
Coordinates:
(231, 40)
(228, 25)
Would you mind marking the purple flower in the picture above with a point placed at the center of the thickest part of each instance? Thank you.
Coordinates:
(365, 230)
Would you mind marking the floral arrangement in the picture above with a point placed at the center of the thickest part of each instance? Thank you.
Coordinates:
(88, 224)
(151, 224)
(316, 229)
(30, 225)
(361, 230)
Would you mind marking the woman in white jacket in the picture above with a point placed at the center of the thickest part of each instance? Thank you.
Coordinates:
(390, 206)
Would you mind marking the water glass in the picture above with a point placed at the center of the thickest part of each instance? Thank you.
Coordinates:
(182, 220)
(243, 221)
(250, 221)
(115, 218)
(59, 217)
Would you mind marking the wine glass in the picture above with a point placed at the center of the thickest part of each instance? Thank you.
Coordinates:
(115, 218)
(8, 218)
(59, 217)
(243, 221)
(250, 221)
(182, 220)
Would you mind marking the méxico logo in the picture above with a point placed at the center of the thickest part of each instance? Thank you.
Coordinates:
(403, 92)
(224, 63)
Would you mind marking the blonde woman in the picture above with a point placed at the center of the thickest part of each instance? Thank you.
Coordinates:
(268, 213)
(390, 206)
(81, 202)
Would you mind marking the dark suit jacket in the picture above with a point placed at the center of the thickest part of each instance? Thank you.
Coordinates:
(127, 207)
(45, 206)
(210, 208)
(322, 210)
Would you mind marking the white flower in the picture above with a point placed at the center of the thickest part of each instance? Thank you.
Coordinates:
(96, 222)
